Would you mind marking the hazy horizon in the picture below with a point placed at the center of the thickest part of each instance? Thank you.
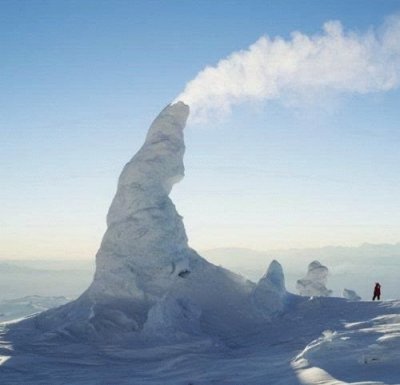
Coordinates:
(355, 268)
(89, 258)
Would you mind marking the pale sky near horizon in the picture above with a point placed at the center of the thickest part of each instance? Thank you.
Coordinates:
(81, 82)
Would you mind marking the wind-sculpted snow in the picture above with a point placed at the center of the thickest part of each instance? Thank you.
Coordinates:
(314, 283)
(365, 352)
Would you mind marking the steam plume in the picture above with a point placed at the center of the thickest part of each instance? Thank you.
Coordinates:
(335, 60)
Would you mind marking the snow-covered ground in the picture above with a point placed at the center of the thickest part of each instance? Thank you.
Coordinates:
(316, 341)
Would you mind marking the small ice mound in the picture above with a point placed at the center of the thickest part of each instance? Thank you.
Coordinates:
(270, 292)
(314, 283)
(351, 295)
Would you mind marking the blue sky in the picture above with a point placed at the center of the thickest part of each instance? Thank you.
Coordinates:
(82, 80)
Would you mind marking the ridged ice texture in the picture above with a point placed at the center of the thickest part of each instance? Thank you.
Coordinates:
(144, 251)
(145, 245)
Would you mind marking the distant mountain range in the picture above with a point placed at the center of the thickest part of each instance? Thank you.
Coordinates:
(23, 307)
(382, 254)
(44, 278)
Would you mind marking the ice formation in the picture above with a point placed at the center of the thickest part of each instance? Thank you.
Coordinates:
(148, 281)
(314, 283)
(351, 295)
(145, 246)
(270, 292)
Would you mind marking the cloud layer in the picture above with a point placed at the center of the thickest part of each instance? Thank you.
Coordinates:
(335, 61)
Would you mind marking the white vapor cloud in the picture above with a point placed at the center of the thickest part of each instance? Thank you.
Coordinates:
(335, 61)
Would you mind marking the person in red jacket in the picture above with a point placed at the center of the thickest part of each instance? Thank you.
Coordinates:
(377, 292)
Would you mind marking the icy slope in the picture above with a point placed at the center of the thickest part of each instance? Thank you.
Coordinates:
(364, 352)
